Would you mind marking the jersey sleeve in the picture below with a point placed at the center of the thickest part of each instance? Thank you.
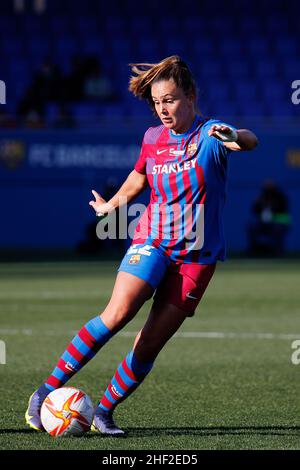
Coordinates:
(141, 162)
(219, 150)
(140, 165)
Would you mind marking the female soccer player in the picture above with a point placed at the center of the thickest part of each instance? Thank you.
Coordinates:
(177, 242)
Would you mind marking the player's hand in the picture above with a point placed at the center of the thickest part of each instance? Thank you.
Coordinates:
(100, 206)
(223, 133)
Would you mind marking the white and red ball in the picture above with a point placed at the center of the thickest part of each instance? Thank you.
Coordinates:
(67, 411)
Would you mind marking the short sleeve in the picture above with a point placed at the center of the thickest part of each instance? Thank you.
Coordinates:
(140, 165)
(219, 152)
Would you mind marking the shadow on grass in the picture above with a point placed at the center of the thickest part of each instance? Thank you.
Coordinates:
(18, 431)
(207, 431)
(187, 431)
(210, 431)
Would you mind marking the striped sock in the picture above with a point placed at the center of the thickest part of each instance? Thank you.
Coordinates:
(127, 378)
(80, 351)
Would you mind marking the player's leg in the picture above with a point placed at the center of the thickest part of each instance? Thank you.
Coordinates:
(164, 320)
(129, 294)
(135, 284)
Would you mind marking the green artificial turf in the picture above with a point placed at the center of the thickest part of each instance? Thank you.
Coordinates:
(233, 388)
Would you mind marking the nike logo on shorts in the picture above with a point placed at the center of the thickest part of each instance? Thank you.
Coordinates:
(189, 296)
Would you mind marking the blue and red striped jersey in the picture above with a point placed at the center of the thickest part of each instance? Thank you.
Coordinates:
(187, 176)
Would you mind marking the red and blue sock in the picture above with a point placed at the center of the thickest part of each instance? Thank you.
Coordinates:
(85, 345)
(129, 375)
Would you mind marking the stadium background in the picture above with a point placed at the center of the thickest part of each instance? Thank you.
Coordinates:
(244, 58)
(227, 380)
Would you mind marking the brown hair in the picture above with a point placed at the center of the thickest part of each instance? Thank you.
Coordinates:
(170, 68)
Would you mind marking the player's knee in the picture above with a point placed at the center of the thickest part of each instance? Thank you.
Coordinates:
(118, 315)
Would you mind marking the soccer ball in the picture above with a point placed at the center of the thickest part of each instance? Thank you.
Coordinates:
(67, 411)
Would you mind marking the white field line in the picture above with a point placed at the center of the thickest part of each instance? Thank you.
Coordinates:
(184, 334)
(45, 295)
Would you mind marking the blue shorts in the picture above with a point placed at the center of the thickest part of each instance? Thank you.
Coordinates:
(146, 262)
(182, 285)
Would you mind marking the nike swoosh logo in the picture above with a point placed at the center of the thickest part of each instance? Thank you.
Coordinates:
(161, 151)
(69, 368)
(189, 296)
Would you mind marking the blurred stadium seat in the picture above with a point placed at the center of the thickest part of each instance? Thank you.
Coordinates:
(244, 62)
(231, 48)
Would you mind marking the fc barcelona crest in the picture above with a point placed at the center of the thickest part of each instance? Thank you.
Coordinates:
(191, 149)
(135, 259)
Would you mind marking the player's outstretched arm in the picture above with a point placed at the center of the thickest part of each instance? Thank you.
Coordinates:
(241, 139)
(131, 188)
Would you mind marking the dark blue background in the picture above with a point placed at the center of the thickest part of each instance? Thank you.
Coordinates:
(45, 205)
